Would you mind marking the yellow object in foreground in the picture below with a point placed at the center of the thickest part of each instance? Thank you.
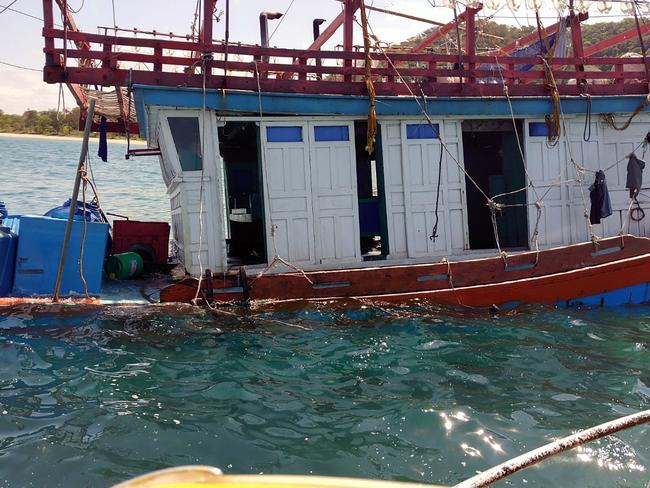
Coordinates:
(209, 477)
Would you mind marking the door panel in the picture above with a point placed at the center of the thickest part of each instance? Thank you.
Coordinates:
(334, 188)
(546, 167)
(288, 196)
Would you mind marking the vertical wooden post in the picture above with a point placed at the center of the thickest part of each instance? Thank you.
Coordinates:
(576, 40)
(106, 56)
(470, 37)
(208, 10)
(157, 65)
(73, 201)
(350, 7)
(48, 23)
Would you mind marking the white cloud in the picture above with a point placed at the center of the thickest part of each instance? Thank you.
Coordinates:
(21, 90)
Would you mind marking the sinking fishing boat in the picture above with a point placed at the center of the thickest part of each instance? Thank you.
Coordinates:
(471, 179)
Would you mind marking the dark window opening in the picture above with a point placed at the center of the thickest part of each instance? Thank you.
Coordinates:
(185, 132)
(493, 160)
(239, 147)
(372, 208)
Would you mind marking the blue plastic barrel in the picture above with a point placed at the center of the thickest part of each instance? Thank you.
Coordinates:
(62, 212)
(8, 244)
(39, 249)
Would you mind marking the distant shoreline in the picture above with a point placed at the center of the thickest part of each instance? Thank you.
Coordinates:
(66, 138)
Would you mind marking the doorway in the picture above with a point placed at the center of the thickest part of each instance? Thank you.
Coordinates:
(239, 148)
(493, 160)
(370, 191)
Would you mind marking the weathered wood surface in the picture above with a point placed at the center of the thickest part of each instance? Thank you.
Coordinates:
(407, 279)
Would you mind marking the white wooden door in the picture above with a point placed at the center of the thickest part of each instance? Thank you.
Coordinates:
(288, 192)
(391, 146)
(547, 169)
(411, 159)
(334, 189)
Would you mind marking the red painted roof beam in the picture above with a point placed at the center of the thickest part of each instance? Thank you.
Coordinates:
(444, 30)
(614, 40)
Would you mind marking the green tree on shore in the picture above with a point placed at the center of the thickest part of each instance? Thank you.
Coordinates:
(47, 122)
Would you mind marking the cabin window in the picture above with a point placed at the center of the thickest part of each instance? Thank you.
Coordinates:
(239, 148)
(422, 131)
(284, 134)
(537, 129)
(323, 133)
(187, 139)
(493, 160)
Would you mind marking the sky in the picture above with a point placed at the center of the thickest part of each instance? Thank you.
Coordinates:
(22, 44)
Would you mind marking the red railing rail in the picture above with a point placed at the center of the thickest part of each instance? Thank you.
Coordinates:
(120, 60)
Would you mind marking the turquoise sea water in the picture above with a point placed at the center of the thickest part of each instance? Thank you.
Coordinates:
(92, 396)
(37, 174)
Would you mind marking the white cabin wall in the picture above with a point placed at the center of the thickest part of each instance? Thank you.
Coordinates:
(198, 233)
(565, 204)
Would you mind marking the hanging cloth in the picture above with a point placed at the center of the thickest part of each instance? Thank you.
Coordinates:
(634, 175)
(601, 206)
(102, 152)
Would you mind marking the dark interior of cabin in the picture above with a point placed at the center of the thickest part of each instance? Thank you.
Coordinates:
(370, 186)
(493, 160)
(239, 147)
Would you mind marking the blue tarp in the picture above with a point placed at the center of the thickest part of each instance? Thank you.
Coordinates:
(555, 42)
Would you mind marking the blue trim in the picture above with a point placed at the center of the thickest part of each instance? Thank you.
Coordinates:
(238, 102)
(631, 295)
(325, 133)
(422, 131)
(284, 134)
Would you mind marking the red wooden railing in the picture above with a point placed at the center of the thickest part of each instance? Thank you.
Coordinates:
(116, 62)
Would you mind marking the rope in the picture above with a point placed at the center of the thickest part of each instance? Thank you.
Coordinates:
(372, 113)
(530, 458)
(82, 244)
(434, 230)
(20, 67)
(281, 20)
(586, 132)
(609, 117)
(7, 7)
(203, 111)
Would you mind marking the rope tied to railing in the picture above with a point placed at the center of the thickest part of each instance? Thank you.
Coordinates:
(609, 117)
(372, 113)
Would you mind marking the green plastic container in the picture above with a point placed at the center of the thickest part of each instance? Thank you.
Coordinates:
(124, 266)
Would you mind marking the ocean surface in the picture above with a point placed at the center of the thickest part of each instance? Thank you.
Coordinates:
(90, 396)
(37, 174)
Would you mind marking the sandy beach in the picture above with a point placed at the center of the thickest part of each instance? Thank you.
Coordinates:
(68, 138)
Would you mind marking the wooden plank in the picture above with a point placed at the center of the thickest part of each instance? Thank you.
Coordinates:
(157, 60)
(549, 289)
(119, 77)
(409, 278)
(254, 51)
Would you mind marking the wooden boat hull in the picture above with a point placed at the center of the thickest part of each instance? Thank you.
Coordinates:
(614, 272)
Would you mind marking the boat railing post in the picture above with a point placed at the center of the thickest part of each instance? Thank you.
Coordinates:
(73, 201)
